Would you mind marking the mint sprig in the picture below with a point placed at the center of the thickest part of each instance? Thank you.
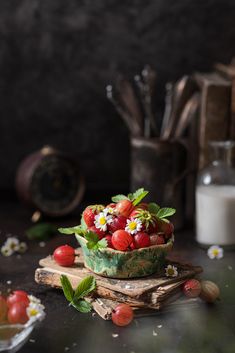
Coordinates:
(93, 241)
(161, 213)
(76, 297)
(135, 197)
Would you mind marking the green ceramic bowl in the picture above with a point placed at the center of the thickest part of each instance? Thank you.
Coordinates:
(108, 262)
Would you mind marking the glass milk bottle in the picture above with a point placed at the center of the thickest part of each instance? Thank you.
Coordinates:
(215, 198)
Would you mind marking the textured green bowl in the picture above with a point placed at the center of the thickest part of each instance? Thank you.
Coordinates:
(125, 264)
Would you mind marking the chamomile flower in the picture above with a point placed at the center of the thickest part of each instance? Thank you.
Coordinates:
(215, 252)
(22, 247)
(171, 271)
(35, 312)
(102, 220)
(34, 300)
(109, 211)
(6, 251)
(133, 226)
(12, 243)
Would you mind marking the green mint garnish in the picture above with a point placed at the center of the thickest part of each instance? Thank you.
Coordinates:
(136, 197)
(165, 212)
(76, 297)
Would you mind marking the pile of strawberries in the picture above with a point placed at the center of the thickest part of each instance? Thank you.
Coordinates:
(127, 226)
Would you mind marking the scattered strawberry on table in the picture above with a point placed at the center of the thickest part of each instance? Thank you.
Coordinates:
(125, 224)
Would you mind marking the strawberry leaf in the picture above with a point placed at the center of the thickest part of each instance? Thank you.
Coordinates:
(93, 241)
(139, 198)
(82, 305)
(67, 288)
(153, 207)
(118, 198)
(165, 212)
(91, 236)
(86, 286)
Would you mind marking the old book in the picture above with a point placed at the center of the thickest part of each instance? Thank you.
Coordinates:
(214, 117)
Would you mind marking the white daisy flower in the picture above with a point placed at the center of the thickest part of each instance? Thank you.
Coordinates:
(102, 220)
(109, 210)
(171, 271)
(133, 226)
(12, 243)
(35, 312)
(6, 250)
(34, 300)
(215, 252)
(22, 247)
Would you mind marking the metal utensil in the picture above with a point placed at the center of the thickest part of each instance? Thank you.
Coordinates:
(149, 79)
(168, 108)
(188, 113)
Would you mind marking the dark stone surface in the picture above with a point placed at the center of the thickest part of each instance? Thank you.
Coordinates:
(190, 329)
(56, 58)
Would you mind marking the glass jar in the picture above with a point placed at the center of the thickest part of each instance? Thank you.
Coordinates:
(215, 198)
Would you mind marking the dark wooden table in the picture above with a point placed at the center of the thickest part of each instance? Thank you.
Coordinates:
(200, 329)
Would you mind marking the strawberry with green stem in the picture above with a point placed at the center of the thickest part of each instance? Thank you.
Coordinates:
(90, 212)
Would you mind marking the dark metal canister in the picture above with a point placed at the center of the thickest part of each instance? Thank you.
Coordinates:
(49, 181)
(160, 167)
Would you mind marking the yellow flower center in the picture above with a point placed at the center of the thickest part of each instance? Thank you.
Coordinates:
(33, 312)
(215, 252)
(102, 220)
(170, 271)
(132, 225)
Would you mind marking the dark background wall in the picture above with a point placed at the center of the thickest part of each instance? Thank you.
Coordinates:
(57, 56)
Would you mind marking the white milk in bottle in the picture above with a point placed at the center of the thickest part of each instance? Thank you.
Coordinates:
(215, 214)
(215, 198)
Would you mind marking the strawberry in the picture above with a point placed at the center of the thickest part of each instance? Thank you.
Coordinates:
(166, 227)
(90, 212)
(141, 240)
(124, 207)
(118, 222)
(99, 232)
(109, 241)
(149, 220)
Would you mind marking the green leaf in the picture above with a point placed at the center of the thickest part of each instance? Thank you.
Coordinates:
(86, 286)
(153, 207)
(72, 230)
(102, 243)
(41, 231)
(130, 197)
(140, 197)
(91, 245)
(138, 192)
(82, 305)
(67, 288)
(165, 212)
(91, 236)
(83, 224)
(118, 198)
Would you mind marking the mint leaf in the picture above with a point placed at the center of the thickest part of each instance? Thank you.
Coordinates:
(165, 212)
(67, 288)
(118, 198)
(130, 197)
(72, 230)
(86, 286)
(102, 243)
(140, 197)
(41, 231)
(82, 305)
(153, 207)
(91, 236)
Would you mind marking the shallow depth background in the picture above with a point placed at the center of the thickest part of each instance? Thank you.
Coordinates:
(56, 58)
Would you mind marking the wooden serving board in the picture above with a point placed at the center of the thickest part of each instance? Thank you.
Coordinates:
(142, 292)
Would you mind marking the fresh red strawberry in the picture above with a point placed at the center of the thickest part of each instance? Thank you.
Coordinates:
(149, 220)
(118, 222)
(141, 240)
(124, 207)
(109, 241)
(90, 212)
(166, 227)
(99, 232)
(112, 205)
